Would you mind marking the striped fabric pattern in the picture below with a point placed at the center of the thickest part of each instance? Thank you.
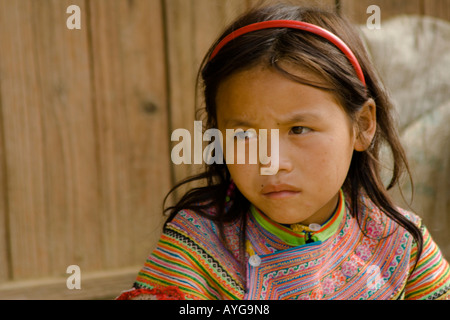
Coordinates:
(178, 261)
(429, 280)
(342, 263)
(348, 265)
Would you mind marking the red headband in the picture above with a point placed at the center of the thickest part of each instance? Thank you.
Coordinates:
(293, 24)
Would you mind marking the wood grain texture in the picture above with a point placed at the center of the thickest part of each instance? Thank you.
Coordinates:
(84, 120)
(437, 8)
(5, 267)
(69, 137)
(22, 111)
(131, 114)
(328, 4)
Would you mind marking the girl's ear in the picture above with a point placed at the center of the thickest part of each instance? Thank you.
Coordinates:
(366, 125)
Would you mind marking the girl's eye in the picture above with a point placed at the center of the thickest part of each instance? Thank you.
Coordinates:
(300, 130)
(242, 135)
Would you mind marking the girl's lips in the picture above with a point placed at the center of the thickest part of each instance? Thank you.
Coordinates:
(277, 188)
(281, 194)
(279, 191)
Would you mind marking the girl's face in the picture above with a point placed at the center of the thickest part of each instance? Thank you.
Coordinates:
(316, 144)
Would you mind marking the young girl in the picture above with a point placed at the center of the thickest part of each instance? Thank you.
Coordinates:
(323, 225)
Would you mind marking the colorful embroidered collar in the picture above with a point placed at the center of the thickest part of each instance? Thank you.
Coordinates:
(294, 238)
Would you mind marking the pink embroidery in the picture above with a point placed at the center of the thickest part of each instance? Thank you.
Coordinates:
(338, 278)
(363, 252)
(328, 286)
(349, 269)
(374, 229)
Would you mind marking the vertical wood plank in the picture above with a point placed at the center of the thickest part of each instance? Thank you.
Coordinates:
(131, 111)
(5, 268)
(71, 186)
(49, 141)
(327, 4)
(22, 128)
(182, 64)
(437, 8)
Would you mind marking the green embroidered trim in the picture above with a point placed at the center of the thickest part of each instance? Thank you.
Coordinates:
(293, 238)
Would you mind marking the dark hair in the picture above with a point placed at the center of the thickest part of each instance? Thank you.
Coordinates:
(269, 47)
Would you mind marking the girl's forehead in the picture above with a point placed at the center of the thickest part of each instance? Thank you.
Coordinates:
(249, 119)
(262, 83)
(261, 93)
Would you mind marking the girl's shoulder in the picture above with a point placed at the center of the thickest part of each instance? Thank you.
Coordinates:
(370, 211)
(192, 222)
(188, 217)
(411, 216)
(202, 227)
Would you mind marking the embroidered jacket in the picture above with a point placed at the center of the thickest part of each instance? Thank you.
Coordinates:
(341, 260)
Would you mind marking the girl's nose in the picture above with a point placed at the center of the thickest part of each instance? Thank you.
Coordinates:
(284, 158)
(278, 158)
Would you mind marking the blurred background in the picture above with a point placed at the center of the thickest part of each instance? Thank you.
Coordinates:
(86, 117)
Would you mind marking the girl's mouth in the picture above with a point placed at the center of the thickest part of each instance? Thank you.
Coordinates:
(281, 194)
(280, 191)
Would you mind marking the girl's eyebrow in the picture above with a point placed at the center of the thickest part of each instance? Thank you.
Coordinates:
(299, 117)
(292, 118)
(237, 123)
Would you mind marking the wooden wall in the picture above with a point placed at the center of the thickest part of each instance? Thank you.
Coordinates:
(85, 123)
